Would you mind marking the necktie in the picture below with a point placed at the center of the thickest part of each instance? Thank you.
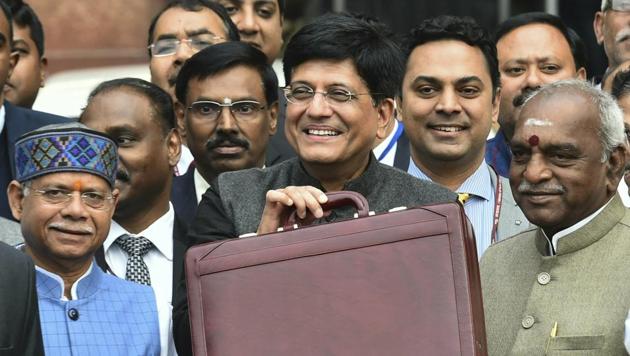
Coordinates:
(463, 197)
(136, 248)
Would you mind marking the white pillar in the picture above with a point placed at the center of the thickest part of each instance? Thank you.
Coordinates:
(504, 9)
(552, 7)
(339, 5)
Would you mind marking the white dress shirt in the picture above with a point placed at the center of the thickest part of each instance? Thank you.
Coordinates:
(200, 185)
(622, 190)
(159, 261)
(2, 113)
(185, 160)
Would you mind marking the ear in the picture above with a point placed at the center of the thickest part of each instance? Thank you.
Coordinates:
(581, 73)
(273, 118)
(16, 198)
(495, 106)
(43, 67)
(174, 146)
(598, 27)
(385, 112)
(180, 114)
(115, 196)
(616, 166)
(13, 59)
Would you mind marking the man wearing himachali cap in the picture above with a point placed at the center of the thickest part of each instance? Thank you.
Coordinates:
(64, 198)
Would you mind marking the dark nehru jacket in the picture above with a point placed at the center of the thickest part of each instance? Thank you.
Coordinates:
(20, 332)
(235, 202)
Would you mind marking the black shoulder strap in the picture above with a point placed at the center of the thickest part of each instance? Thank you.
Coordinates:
(99, 256)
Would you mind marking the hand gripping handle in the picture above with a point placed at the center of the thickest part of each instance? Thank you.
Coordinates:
(335, 200)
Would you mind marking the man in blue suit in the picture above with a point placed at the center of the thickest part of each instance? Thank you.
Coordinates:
(14, 121)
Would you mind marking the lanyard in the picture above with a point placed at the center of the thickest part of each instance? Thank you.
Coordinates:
(394, 139)
(498, 197)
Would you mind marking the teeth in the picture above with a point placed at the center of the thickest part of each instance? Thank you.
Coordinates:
(448, 128)
(322, 132)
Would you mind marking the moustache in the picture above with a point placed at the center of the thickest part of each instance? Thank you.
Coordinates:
(519, 100)
(122, 175)
(222, 139)
(72, 228)
(541, 188)
(622, 35)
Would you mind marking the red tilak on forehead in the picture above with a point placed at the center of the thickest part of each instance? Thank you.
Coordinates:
(77, 186)
(533, 140)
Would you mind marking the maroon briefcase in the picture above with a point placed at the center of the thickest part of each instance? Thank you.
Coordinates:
(398, 283)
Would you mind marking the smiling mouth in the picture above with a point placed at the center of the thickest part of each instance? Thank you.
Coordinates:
(321, 133)
(448, 128)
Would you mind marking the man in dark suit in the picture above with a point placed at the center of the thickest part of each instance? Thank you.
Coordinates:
(20, 332)
(228, 105)
(14, 121)
(139, 116)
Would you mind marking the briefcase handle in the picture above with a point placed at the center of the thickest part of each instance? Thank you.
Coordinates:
(336, 200)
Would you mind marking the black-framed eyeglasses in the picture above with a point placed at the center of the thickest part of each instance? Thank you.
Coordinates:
(242, 110)
(303, 95)
(93, 199)
(169, 46)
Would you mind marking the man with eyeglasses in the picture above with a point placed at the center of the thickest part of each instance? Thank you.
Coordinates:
(343, 75)
(227, 105)
(64, 197)
(181, 29)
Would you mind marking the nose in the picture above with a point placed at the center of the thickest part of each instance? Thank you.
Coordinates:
(319, 107)
(534, 79)
(537, 170)
(226, 120)
(75, 208)
(448, 102)
(245, 21)
(183, 52)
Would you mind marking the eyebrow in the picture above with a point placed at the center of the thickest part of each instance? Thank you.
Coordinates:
(235, 99)
(468, 79)
(196, 32)
(538, 59)
(435, 81)
(425, 78)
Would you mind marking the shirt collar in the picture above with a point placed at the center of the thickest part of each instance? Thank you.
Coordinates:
(2, 114)
(562, 233)
(200, 184)
(50, 285)
(160, 233)
(479, 184)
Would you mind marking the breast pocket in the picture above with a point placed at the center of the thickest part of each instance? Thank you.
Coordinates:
(589, 345)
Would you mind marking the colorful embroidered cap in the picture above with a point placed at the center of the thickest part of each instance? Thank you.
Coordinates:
(71, 147)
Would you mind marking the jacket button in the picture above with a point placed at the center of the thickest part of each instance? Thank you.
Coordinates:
(543, 278)
(73, 314)
(528, 321)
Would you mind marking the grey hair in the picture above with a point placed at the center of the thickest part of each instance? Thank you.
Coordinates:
(606, 4)
(611, 131)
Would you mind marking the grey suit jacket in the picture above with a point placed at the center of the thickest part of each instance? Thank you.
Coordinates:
(10, 232)
(584, 288)
(512, 221)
